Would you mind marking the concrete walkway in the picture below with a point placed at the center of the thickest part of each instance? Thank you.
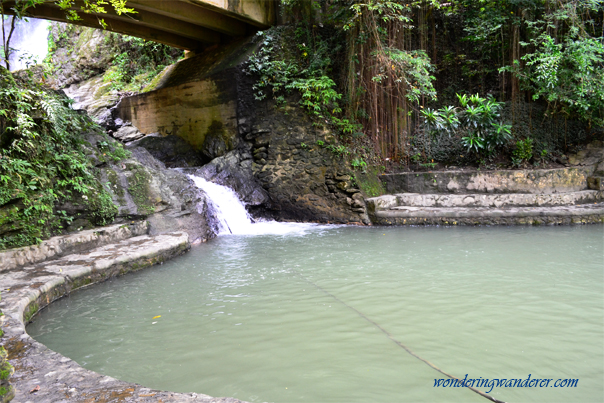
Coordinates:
(42, 375)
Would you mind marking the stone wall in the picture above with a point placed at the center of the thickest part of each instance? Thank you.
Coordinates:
(521, 181)
(304, 180)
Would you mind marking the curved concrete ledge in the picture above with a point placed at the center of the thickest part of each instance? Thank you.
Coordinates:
(73, 243)
(26, 290)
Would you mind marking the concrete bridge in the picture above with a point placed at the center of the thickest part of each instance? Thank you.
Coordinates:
(184, 24)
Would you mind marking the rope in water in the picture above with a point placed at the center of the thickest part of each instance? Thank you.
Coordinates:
(391, 337)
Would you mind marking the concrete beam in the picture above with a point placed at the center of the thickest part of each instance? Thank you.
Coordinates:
(127, 28)
(185, 24)
(192, 14)
(260, 13)
(161, 22)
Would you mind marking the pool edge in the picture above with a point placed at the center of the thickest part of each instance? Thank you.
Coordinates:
(42, 375)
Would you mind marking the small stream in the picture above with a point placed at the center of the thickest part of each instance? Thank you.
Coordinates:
(290, 313)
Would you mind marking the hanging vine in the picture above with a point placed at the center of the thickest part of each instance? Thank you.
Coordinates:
(388, 80)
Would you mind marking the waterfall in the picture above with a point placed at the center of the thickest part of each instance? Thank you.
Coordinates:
(233, 219)
(29, 41)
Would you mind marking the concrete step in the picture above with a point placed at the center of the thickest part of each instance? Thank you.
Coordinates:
(486, 200)
(509, 215)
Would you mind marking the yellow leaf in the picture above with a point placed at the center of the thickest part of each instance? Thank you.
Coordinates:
(158, 316)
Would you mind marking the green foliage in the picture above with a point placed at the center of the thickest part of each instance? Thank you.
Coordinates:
(398, 54)
(91, 6)
(476, 121)
(339, 150)
(413, 69)
(283, 67)
(138, 62)
(523, 152)
(42, 163)
(569, 75)
(359, 163)
(564, 59)
(116, 151)
(274, 74)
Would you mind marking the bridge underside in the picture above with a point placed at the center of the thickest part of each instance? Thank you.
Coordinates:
(184, 24)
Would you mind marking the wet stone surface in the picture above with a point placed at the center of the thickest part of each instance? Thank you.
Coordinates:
(42, 375)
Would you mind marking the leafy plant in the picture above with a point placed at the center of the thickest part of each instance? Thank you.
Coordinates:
(359, 163)
(42, 163)
(476, 121)
(281, 71)
(339, 150)
(523, 151)
(473, 142)
(318, 94)
(543, 155)
(569, 75)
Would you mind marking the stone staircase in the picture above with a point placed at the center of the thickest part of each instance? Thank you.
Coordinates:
(535, 197)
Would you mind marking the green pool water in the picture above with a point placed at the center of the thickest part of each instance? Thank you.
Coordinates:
(297, 317)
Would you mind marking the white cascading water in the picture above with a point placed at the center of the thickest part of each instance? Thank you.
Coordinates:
(233, 218)
(30, 41)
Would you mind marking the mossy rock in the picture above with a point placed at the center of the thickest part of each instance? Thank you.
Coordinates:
(140, 190)
(370, 183)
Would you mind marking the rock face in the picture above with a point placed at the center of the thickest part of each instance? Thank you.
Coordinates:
(94, 96)
(273, 156)
(142, 188)
(81, 53)
(293, 161)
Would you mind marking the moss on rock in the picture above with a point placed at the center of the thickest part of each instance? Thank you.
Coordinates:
(138, 187)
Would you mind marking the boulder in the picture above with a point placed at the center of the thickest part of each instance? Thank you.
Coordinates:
(234, 170)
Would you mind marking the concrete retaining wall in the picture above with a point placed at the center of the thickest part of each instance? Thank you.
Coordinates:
(540, 181)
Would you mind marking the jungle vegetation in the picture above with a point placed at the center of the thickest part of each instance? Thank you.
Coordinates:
(45, 163)
(459, 82)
